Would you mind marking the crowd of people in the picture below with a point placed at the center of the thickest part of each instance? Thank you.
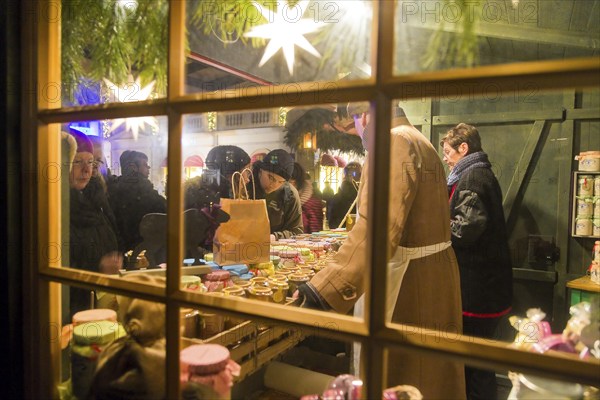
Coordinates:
(447, 237)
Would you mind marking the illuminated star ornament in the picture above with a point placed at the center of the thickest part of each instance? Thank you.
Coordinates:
(132, 91)
(284, 31)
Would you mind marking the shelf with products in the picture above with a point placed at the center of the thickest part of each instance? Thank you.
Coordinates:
(585, 214)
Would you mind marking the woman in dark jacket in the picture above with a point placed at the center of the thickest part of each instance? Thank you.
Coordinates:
(92, 239)
(480, 241)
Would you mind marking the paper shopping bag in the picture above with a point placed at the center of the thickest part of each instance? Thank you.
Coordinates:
(245, 238)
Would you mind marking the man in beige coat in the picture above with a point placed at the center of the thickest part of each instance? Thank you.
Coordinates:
(429, 295)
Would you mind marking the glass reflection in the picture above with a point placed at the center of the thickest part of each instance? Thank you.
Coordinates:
(434, 35)
(113, 51)
(248, 43)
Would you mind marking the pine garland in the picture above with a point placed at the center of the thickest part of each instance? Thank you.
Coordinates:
(329, 137)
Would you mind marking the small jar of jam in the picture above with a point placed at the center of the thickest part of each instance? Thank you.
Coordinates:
(280, 291)
(261, 293)
(243, 284)
(278, 277)
(259, 281)
(294, 280)
(234, 290)
(216, 281)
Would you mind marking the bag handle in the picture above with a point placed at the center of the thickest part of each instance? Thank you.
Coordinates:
(238, 195)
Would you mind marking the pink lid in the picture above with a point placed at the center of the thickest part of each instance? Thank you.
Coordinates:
(98, 314)
(289, 253)
(204, 359)
(218, 276)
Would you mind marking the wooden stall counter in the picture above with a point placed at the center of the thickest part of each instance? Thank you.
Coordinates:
(583, 289)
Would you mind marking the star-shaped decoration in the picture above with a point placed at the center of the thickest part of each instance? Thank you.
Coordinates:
(284, 32)
(132, 91)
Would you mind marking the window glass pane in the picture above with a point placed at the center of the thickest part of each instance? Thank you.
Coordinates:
(107, 348)
(241, 44)
(114, 178)
(266, 193)
(113, 51)
(528, 141)
(433, 35)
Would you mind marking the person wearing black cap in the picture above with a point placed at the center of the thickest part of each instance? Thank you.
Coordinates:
(271, 176)
(222, 162)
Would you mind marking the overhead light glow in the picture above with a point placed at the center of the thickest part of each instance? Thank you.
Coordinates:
(284, 32)
(132, 91)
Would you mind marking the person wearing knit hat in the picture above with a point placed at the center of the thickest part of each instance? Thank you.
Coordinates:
(92, 233)
(81, 156)
(271, 176)
(278, 162)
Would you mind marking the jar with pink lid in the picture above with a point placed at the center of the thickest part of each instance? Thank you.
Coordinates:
(217, 280)
(207, 367)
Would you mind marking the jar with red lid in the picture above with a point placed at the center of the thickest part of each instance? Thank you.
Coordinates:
(207, 366)
(217, 280)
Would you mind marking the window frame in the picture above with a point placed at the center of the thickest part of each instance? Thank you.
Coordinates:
(42, 133)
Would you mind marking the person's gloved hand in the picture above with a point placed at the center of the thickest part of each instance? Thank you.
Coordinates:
(308, 297)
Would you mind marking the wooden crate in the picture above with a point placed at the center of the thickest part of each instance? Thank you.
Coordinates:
(253, 344)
